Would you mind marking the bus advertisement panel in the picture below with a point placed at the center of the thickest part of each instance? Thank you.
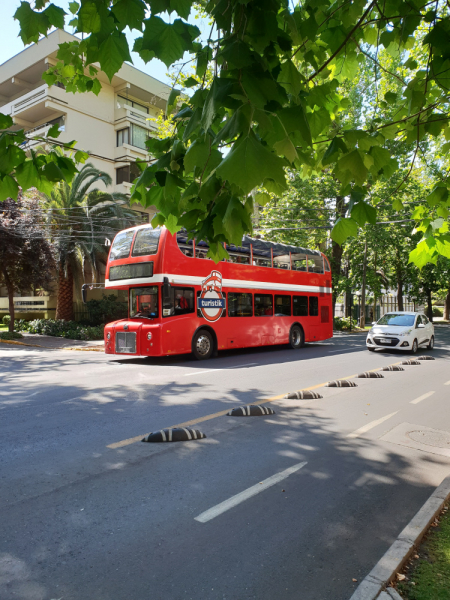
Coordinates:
(180, 301)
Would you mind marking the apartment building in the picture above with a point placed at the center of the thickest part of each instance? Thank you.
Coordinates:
(112, 126)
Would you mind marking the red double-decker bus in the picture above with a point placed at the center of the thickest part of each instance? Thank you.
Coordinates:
(181, 302)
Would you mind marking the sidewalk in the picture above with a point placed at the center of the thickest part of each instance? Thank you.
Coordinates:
(57, 343)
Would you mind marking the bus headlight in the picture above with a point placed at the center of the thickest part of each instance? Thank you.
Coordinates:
(149, 336)
(108, 336)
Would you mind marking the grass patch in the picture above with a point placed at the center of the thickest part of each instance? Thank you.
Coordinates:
(428, 577)
(3, 327)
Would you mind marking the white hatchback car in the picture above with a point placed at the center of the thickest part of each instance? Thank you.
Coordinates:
(401, 330)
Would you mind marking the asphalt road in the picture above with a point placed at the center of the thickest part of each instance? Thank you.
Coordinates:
(317, 492)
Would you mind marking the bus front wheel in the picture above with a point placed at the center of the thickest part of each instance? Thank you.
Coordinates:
(296, 337)
(202, 345)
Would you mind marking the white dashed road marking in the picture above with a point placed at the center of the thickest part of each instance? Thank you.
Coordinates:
(420, 398)
(369, 426)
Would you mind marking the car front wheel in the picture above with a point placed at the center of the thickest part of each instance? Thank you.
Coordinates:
(370, 349)
(431, 343)
(415, 347)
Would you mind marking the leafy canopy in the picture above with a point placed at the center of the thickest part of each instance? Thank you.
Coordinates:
(275, 101)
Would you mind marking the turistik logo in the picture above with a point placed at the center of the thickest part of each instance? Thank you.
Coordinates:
(211, 301)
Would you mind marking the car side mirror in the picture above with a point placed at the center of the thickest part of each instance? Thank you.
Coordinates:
(420, 326)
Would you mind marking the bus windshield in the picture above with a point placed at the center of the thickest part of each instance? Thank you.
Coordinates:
(397, 320)
(144, 302)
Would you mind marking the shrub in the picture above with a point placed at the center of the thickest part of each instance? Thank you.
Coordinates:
(6, 319)
(59, 328)
(108, 309)
(343, 323)
(6, 335)
(437, 312)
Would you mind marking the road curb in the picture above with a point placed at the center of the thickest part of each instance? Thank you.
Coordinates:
(375, 584)
(14, 342)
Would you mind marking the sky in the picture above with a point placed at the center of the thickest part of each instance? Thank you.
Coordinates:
(11, 44)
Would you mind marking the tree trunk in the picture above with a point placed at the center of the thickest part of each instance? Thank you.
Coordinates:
(430, 305)
(336, 253)
(362, 316)
(447, 306)
(400, 292)
(64, 302)
(10, 288)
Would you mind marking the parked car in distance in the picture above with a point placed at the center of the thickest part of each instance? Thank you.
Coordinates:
(402, 330)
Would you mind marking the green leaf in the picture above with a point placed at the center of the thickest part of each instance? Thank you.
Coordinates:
(262, 198)
(438, 195)
(55, 16)
(32, 24)
(390, 97)
(343, 229)
(130, 13)
(171, 223)
(290, 78)
(249, 163)
(73, 7)
(8, 188)
(197, 155)
(190, 82)
(172, 100)
(397, 204)
(332, 152)
(295, 119)
(354, 164)
(286, 148)
(113, 52)
(54, 131)
(364, 213)
(167, 41)
(422, 255)
(5, 121)
(27, 175)
(214, 100)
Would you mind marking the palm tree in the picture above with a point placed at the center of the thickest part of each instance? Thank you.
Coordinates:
(81, 218)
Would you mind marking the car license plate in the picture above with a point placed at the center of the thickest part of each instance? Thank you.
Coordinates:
(385, 340)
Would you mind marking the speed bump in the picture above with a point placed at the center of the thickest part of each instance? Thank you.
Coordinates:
(410, 362)
(252, 410)
(341, 383)
(303, 395)
(177, 434)
(393, 368)
(426, 358)
(370, 375)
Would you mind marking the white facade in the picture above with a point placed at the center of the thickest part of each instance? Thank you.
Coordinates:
(112, 126)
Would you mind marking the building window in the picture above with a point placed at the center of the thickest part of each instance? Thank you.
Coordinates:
(127, 174)
(139, 135)
(263, 305)
(240, 305)
(282, 306)
(123, 136)
(300, 306)
(313, 306)
(134, 104)
(61, 121)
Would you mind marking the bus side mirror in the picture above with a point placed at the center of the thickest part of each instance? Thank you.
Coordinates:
(166, 291)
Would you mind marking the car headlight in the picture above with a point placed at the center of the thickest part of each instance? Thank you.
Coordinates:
(108, 336)
(405, 333)
(149, 335)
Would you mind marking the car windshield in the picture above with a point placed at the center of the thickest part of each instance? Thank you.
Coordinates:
(397, 320)
(144, 302)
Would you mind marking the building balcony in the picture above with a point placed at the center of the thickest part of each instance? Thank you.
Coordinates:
(125, 115)
(40, 104)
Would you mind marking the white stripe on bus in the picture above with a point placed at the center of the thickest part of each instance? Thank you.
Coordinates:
(232, 283)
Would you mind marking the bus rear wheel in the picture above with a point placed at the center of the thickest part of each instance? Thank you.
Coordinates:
(202, 345)
(296, 337)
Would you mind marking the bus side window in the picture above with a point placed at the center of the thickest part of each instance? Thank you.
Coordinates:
(313, 306)
(181, 302)
(299, 262)
(327, 265)
(263, 305)
(315, 264)
(282, 306)
(300, 305)
(281, 261)
(240, 305)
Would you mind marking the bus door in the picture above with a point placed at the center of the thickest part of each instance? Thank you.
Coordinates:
(282, 317)
(264, 313)
(178, 312)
